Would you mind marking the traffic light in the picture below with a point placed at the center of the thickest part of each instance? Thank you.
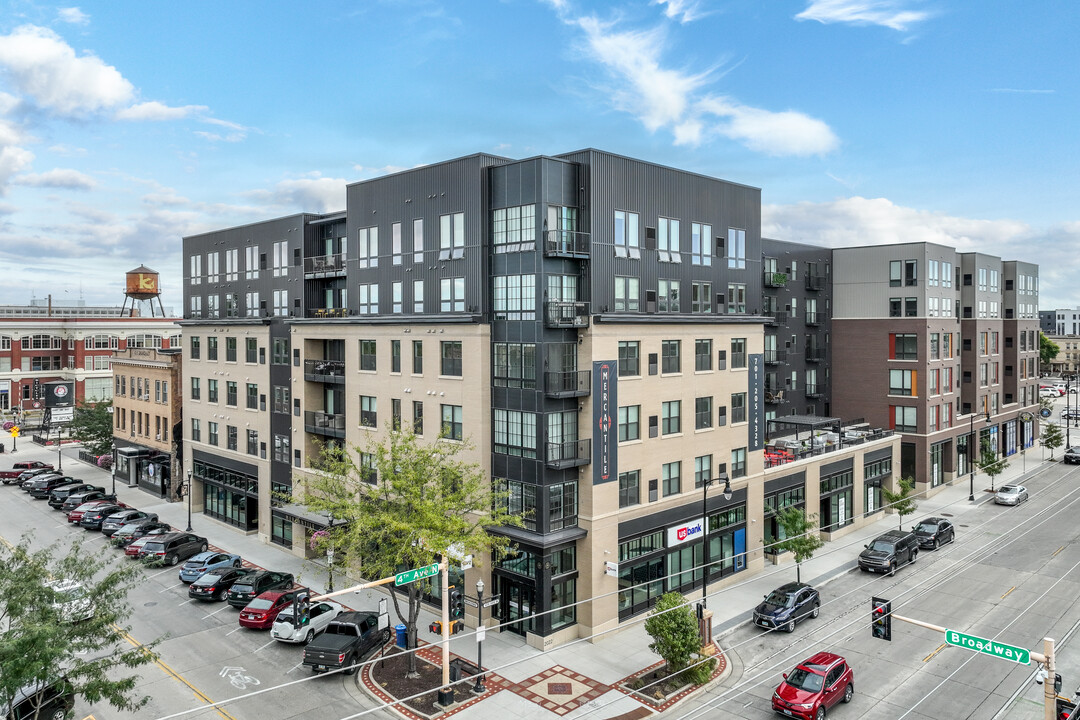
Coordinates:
(302, 610)
(457, 604)
(436, 627)
(881, 619)
(1057, 683)
(456, 626)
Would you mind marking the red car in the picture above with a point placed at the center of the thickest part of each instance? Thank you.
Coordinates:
(76, 515)
(814, 686)
(260, 613)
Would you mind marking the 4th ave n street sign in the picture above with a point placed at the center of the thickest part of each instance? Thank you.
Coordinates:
(404, 578)
(988, 647)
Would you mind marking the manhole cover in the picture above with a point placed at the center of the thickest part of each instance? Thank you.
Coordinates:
(149, 604)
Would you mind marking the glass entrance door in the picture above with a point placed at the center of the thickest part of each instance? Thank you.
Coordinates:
(516, 603)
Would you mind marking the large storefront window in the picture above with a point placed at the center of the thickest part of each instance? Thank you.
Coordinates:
(964, 457)
(775, 501)
(937, 466)
(281, 530)
(229, 496)
(875, 473)
(836, 500)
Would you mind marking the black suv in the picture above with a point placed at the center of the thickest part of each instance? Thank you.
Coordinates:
(74, 501)
(40, 700)
(43, 485)
(62, 493)
(93, 519)
(934, 532)
(171, 548)
(248, 588)
(888, 551)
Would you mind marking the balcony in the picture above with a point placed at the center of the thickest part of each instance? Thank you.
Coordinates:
(569, 454)
(775, 279)
(325, 371)
(773, 397)
(813, 391)
(325, 265)
(576, 383)
(558, 314)
(775, 357)
(776, 317)
(320, 423)
(566, 243)
(815, 282)
(813, 319)
(336, 312)
(815, 354)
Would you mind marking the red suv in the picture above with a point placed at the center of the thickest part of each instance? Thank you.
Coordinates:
(814, 686)
(261, 612)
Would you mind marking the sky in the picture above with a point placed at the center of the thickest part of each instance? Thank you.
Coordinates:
(126, 125)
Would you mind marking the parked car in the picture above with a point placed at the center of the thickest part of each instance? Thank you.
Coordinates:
(133, 548)
(814, 686)
(117, 520)
(41, 487)
(78, 499)
(215, 584)
(243, 592)
(1072, 455)
(1070, 414)
(346, 641)
(320, 615)
(71, 602)
(94, 518)
(889, 551)
(171, 548)
(1048, 392)
(26, 475)
(48, 701)
(205, 562)
(934, 532)
(260, 613)
(17, 469)
(135, 530)
(787, 605)
(59, 495)
(1011, 495)
(75, 515)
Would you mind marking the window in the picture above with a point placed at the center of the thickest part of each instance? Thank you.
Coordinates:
(736, 299)
(251, 304)
(212, 433)
(904, 419)
(134, 341)
(701, 244)
(670, 351)
(515, 365)
(281, 448)
(736, 248)
(232, 262)
(452, 427)
(368, 296)
(671, 478)
(451, 358)
(738, 407)
(369, 416)
(281, 404)
(196, 348)
(230, 349)
(96, 342)
(627, 294)
(281, 303)
(703, 413)
(738, 463)
(668, 240)
(397, 289)
(280, 252)
(253, 442)
(894, 307)
(562, 506)
(702, 470)
(368, 252)
(418, 417)
(251, 350)
(196, 270)
(515, 297)
(452, 236)
(629, 423)
(395, 356)
(911, 307)
(906, 347)
(196, 429)
(452, 294)
(213, 267)
(230, 393)
(515, 433)
(251, 262)
(395, 242)
(629, 488)
(671, 417)
(418, 357)
(418, 296)
(627, 240)
(514, 229)
(367, 355)
(668, 296)
(902, 382)
(738, 353)
(280, 355)
(212, 391)
(701, 297)
(211, 348)
(702, 355)
(230, 437)
(520, 500)
(629, 358)
(196, 389)
(369, 472)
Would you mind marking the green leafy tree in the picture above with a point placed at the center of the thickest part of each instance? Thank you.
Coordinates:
(902, 502)
(406, 503)
(1048, 350)
(800, 535)
(93, 427)
(676, 638)
(990, 463)
(1052, 437)
(41, 643)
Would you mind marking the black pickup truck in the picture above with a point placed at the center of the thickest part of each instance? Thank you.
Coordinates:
(346, 641)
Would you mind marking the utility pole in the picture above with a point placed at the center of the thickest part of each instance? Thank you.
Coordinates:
(1049, 691)
(446, 695)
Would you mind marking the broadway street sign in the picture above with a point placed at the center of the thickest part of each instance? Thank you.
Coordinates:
(988, 647)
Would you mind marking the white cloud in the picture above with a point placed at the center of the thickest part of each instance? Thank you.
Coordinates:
(371, 172)
(888, 13)
(72, 15)
(1019, 90)
(684, 11)
(12, 160)
(307, 194)
(67, 150)
(59, 178)
(154, 110)
(773, 133)
(43, 66)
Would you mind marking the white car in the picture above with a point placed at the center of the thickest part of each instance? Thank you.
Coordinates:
(72, 604)
(1011, 495)
(319, 616)
(1048, 392)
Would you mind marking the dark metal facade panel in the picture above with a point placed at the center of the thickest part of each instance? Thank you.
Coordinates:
(788, 481)
(875, 455)
(837, 467)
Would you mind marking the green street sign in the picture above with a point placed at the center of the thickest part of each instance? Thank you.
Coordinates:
(404, 578)
(988, 647)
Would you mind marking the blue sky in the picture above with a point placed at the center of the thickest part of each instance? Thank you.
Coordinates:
(126, 125)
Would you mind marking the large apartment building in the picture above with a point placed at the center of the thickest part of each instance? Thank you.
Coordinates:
(647, 377)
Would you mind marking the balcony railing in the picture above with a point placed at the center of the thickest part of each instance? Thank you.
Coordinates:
(558, 314)
(337, 312)
(325, 264)
(566, 243)
(776, 317)
(813, 391)
(575, 383)
(775, 357)
(815, 282)
(774, 398)
(815, 354)
(775, 279)
(330, 371)
(321, 423)
(813, 319)
(568, 454)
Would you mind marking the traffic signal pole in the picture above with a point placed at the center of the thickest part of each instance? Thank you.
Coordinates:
(446, 697)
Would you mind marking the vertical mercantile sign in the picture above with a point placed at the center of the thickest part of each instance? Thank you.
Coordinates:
(605, 405)
(756, 398)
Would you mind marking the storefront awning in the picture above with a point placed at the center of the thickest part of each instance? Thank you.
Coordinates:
(302, 516)
(133, 452)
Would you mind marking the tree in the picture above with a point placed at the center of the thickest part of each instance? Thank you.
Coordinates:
(403, 505)
(1052, 438)
(800, 535)
(39, 642)
(674, 631)
(902, 503)
(1048, 350)
(990, 463)
(93, 427)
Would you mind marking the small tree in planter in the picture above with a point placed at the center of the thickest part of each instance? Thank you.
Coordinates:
(1052, 438)
(674, 631)
(901, 502)
(990, 463)
(801, 537)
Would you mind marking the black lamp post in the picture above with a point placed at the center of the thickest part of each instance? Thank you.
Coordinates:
(59, 447)
(479, 687)
(188, 499)
(705, 531)
(971, 455)
(330, 555)
(1068, 415)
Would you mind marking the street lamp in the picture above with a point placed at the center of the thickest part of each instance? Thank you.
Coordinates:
(188, 498)
(971, 455)
(479, 687)
(705, 530)
(330, 554)
(59, 447)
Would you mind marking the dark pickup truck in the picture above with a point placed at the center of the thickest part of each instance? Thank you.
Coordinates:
(347, 640)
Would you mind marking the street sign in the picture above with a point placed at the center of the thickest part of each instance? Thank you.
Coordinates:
(492, 601)
(988, 647)
(15, 431)
(471, 602)
(404, 578)
(63, 414)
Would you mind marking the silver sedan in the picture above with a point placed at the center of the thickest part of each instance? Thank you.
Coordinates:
(1011, 495)
(319, 616)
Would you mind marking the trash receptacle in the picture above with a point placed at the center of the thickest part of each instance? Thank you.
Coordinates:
(1, 447)
(402, 637)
